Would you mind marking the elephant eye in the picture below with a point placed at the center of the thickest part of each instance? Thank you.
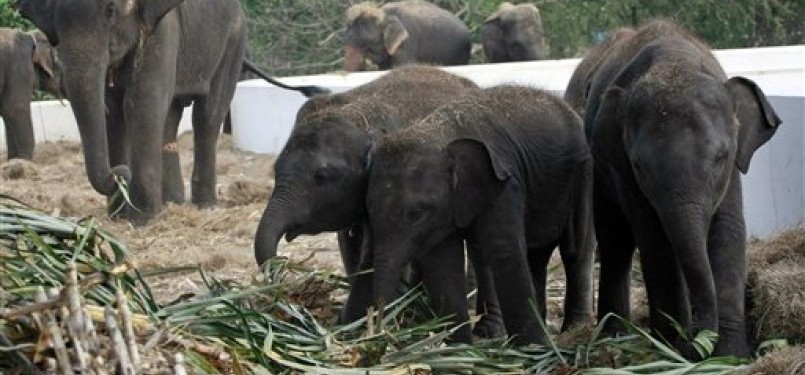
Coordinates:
(417, 215)
(110, 11)
(324, 175)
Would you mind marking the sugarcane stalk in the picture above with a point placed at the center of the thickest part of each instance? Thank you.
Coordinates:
(62, 357)
(128, 329)
(118, 344)
(72, 314)
(89, 329)
(178, 368)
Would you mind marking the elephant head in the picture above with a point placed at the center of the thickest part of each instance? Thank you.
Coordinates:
(47, 65)
(420, 194)
(320, 178)
(514, 33)
(371, 33)
(92, 39)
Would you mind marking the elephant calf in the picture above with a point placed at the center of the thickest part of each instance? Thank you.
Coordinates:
(508, 170)
(27, 62)
(670, 135)
(322, 172)
(514, 33)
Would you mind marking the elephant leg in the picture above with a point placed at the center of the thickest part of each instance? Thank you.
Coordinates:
(444, 276)
(118, 145)
(538, 259)
(356, 253)
(491, 323)
(19, 131)
(616, 245)
(172, 185)
(577, 248)
(665, 285)
(727, 252)
(500, 234)
(208, 115)
(116, 128)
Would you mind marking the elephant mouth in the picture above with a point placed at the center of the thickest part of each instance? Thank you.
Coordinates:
(292, 233)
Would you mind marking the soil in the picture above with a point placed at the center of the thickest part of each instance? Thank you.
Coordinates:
(219, 239)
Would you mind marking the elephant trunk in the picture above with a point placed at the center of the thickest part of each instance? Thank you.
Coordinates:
(389, 263)
(277, 220)
(686, 225)
(353, 61)
(85, 78)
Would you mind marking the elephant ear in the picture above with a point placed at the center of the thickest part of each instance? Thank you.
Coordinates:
(152, 11)
(41, 57)
(757, 120)
(478, 178)
(40, 12)
(394, 34)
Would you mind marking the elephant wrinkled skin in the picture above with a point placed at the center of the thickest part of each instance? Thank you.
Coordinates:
(670, 135)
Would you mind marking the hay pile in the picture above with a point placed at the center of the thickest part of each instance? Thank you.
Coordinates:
(776, 288)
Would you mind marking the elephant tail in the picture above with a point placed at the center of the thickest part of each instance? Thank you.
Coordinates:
(307, 91)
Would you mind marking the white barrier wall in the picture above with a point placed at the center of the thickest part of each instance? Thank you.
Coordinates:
(774, 188)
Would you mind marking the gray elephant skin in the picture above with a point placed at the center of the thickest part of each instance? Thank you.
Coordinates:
(404, 32)
(670, 135)
(508, 170)
(130, 66)
(514, 33)
(27, 62)
(321, 173)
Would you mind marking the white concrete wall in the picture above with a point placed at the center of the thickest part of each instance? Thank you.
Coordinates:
(774, 188)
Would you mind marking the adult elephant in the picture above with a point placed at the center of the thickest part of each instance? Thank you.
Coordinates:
(514, 33)
(27, 62)
(130, 67)
(670, 135)
(508, 170)
(404, 32)
(321, 173)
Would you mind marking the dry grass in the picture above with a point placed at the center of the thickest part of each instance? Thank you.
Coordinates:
(776, 284)
(786, 361)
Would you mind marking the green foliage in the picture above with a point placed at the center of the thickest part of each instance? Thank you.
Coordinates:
(10, 18)
(301, 37)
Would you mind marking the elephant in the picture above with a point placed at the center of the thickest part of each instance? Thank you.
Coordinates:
(27, 62)
(404, 32)
(130, 66)
(579, 84)
(514, 33)
(670, 136)
(506, 169)
(322, 171)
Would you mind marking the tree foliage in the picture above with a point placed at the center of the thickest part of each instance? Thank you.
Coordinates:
(291, 37)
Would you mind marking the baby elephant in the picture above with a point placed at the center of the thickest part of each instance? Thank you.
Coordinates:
(508, 170)
(27, 62)
(514, 33)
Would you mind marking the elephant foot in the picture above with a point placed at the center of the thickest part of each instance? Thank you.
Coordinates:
(489, 327)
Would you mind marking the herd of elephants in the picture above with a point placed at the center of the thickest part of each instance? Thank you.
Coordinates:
(421, 170)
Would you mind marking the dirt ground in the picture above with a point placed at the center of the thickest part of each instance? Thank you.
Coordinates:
(219, 239)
